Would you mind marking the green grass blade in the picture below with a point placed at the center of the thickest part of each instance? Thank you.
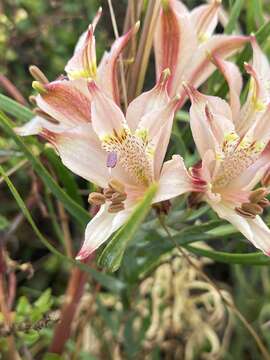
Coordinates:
(15, 109)
(105, 280)
(80, 214)
(234, 15)
(256, 258)
(112, 255)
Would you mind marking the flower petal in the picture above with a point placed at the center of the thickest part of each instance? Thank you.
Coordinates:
(107, 69)
(148, 101)
(83, 62)
(205, 19)
(254, 173)
(65, 103)
(174, 180)
(222, 46)
(175, 42)
(100, 228)
(107, 118)
(210, 120)
(158, 124)
(80, 151)
(235, 82)
(259, 91)
(35, 126)
(254, 230)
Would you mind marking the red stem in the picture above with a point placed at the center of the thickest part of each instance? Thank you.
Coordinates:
(73, 295)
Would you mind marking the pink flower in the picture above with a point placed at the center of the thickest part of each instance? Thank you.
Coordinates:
(184, 43)
(233, 143)
(65, 102)
(123, 155)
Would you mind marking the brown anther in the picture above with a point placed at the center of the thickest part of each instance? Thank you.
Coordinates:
(115, 208)
(96, 198)
(264, 203)
(266, 179)
(108, 193)
(243, 213)
(32, 99)
(257, 195)
(118, 197)
(38, 74)
(117, 186)
(252, 208)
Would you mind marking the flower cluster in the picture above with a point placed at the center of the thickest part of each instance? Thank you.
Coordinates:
(123, 153)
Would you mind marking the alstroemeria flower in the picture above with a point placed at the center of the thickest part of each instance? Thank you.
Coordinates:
(184, 43)
(233, 143)
(123, 155)
(65, 102)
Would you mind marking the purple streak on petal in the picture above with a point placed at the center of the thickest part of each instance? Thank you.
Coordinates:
(112, 159)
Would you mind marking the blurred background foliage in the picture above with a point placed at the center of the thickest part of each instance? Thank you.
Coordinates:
(44, 33)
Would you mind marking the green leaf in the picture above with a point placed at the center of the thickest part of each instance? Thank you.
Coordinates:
(256, 258)
(15, 109)
(80, 214)
(30, 337)
(112, 255)
(4, 223)
(44, 302)
(107, 281)
(234, 15)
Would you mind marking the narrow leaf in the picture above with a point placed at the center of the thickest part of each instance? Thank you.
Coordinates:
(112, 255)
(15, 109)
(234, 15)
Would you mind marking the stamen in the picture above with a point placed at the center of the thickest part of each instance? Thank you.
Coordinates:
(257, 195)
(117, 186)
(251, 208)
(243, 213)
(96, 198)
(108, 193)
(114, 208)
(39, 87)
(264, 203)
(38, 74)
(117, 198)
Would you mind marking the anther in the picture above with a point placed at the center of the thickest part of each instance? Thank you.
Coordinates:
(264, 203)
(243, 213)
(257, 195)
(108, 193)
(32, 100)
(117, 186)
(96, 198)
(38, 74)
(118, 197)
(251, 208)
(39, 87)
(115, 208)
